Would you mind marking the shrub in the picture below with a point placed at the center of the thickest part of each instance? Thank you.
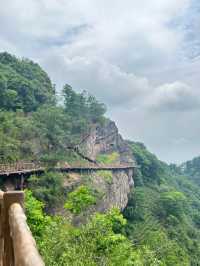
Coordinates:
(35, 216)
(108, 158)
(48, 188)
(80, 199)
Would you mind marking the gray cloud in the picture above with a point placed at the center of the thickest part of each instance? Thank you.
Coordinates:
(108, 82)
(176, 97)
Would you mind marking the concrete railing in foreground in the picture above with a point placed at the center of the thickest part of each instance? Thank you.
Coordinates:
(17, 245)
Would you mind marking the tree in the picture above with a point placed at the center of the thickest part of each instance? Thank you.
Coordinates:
(48, 188)
(172, 203)
(23, 84)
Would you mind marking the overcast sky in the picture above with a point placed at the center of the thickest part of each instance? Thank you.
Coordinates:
(140, 57)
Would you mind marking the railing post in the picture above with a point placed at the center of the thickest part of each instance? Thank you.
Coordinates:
(9, 198)
(21, 182)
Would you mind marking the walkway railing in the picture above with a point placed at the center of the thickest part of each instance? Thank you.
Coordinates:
(17, 245)
(19, 166)
(28, 167)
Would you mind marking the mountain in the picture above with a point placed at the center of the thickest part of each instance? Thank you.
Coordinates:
(163, 210)
(150, 217)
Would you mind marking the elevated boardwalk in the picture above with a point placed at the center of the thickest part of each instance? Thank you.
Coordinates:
(15, 176)
(36, 168)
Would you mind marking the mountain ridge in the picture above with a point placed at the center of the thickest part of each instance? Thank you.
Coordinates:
(74, 217)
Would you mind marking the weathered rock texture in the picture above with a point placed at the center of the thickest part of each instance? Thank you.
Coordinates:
(104, 140)
(113, 193)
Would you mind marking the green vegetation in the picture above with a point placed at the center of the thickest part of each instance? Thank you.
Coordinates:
(107, 175)
(33, 125)
(161, 226)
(161, 223)
(191, 169)
(163, 211)
(99, 242)
(36, 219)
(83, 106)
(108, 158)
(48, 188)
(172, 204)
(23, 84)
(80, 199)
(152, 170)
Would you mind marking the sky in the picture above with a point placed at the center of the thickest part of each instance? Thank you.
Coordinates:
(141, 58)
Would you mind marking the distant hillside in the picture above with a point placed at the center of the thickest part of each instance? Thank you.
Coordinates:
(163, 211)
(192, 169)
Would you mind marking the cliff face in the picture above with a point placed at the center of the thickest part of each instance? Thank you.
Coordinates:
(106, 140)
(115, 192)
(112, 187)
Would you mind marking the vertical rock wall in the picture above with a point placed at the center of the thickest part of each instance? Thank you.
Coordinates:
(115, 193)
(104, 140)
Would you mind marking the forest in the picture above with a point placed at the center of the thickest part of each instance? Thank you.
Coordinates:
(33, 125)
(160, 225)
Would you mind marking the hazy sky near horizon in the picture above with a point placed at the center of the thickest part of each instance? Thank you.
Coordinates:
(141, 58)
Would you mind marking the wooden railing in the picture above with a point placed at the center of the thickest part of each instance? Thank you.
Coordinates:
(17, 245)
(22, 167)
(18, 166)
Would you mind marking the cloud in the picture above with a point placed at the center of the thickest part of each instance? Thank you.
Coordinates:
(176, 97)
(108, 82)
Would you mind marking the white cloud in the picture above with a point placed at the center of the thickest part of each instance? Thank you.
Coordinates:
(108, 82)
(176, 96)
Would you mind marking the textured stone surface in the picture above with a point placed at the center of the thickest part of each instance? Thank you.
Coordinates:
(106, 139)
(116, 192)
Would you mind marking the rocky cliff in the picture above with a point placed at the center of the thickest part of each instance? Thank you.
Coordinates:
(104, 141)
(104, 145)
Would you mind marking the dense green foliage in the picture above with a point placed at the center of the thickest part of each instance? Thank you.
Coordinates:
(36, 218)
(163, 211)
(162, 225)
(23, 84)
(33, 126)
(151, 169)
(83, 107)
(48, 188)
(191, 169)
(99, 242)
(80, 199)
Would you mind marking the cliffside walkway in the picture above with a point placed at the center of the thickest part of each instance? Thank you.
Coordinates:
(17, 245)
(24, 168)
